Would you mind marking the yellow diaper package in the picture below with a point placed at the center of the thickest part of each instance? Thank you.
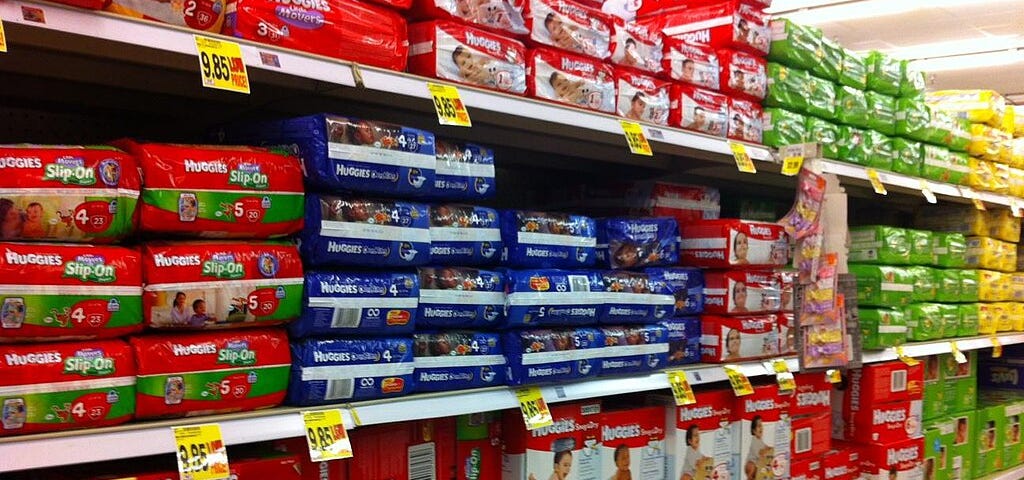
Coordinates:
(1017, 287)
(1004, 316)
(1016, 182)
(992, 287)
(963, 219)
(988, 318)
(1003, 225)
(991, 254)
(1018, 122)
(988, 143)
(1016, 150)
(978, 106)
(981, 174)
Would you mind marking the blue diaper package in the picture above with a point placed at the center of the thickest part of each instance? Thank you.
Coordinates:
(550, 298)
(687, 286)
(343, 153)
(364, 303)
(683, 340)
(457, 360)
(632, 298)
(464, 171)
(332, 370)
(365, 233)
(540, 356)
(547, 240)
(634, 349)
(454, 297)
(637, 242)
(464, 235)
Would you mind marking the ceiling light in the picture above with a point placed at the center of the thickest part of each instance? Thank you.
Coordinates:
(958, 47)
(824, 11)
(967, 62)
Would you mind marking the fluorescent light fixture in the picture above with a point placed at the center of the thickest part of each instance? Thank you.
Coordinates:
(825, 11)
(958, 47)
(967, 62)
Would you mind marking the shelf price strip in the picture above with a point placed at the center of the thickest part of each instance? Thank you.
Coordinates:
(957, 354)
(201, 452)
(740, 383)
(681, 389)
(903, 357)
(326, 435)
(534, 408)
(973, 197)
(743, 162)
(221, 65)
(448, 105)
(638, 144)
(834, 376)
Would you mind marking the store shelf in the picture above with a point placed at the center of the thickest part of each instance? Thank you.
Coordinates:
(1015, 473)
(154, 438)
(923, 349)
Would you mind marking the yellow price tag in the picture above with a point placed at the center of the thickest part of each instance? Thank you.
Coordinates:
(910, 361)
(1015, 207)
(792, 165)
(834, 376)
(326, 435)
(534, 408)
(997, 348)
(681, 389)
(957, 354)
(449, 106)
(221, 65)
(638, 144)
(978, 204)
(876, 182)
(739, 382)
(926, 190)
(743, 161)
(787, 384)
(201, 454)
(3, 37)
(974, 198)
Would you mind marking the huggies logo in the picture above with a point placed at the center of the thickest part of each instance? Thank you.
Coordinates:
(15, 258)
(559, 427)
(753, 324)
(192, 166)
(20, 162)
(609, 434)
(760, 231)
(571, 9)
(15, 360)
(881, 417)
(759, 405)
(700, 36)
(813, 399)
(894, 456)
(321, 5)
(193, 349)
(490, 45)
(577, 65)
(161, 260)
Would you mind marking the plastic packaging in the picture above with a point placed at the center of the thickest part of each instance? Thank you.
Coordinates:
(881, 112)
(570, 79)
(884, 74)
(632, 297)
(464, 235)
(636, 46)
(501, 16)
(627, 243)
(464, 171)
(454, 52)
(358, 303)
(693, 64)
(742, 292)
(794, 45)
(855, 71)
(700, 110)
(686, 285)
(730, 339)
(821, 97)
(880, 244)
(829, 64)
(720, 24)
(358, 232)
(547, 240)
(634, 349)
(569, 26)
(539, 356)
(882, 286)
(458, 360)
(853, 145)
(544, 298)
(642, 98)
(852, 107)
(745, 121)
(882, 328)
(743, 75)
(782, 127)
(201, 15)
(376, 368)
(728, 243)
(976, 106)
(683, 340)
(907, 157)
(455, 297)
(787, 88)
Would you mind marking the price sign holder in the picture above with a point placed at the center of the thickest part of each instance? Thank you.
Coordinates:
(926, 190)
(221, 65)
(997, 348)
(793, 156)
(638, 144)
(1015, 208)
(743, 162)
(326, 435)
(201, 452)
(910, 361)
(973, 197)
(740, 383)
(957, 354)
(834, 376)
(449, 106)
(681, 389)
(876, 181)
(779, 367)
(533, 407)
(3, 37)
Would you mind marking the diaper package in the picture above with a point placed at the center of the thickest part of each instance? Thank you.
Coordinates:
(454, 297)
(358, 303)
(345, 29)
(884, 74)
(907, 157)
(913, 117)
(924, 321)
(742, 292)
(782, 127)
(992, 254)
(730, 339)
(787, 88)
(206, 373)
(936, 165)
(988, 143)
(543, 298)
(464, 171)
(547, 240)
(745, 121)
(685, 203)
(743, 75)
(642, 98)
(686, 285)
(539, 356)
(698, 109)
(570, 79)
(501, 16)
(452, 51)
(725, 24)
(794, 45)
(690, 63)
(852, 107)
(882, 112)
(632, 297)
(683, 340)
(570, 26)
(913, 82)
(73, 194)
(60, 386)
(829, 62)
(634, 349)
(969, 279)
(360, 232)
(950, 130)
(969, 321)
(948, 249)
(458, 360)
(629, 242)
(821, 97)
(636, 46)
(854, 145)
(925, 287)
(976, 106)
(218, 192)
(879, 150)
(920, 242)
(464, 235)
(212, 284)
(855, 70)
(202, 15)
(728, 243)
(882, 328)
(332, 370)
(883, 286)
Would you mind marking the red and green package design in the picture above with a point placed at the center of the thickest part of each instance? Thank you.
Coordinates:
(821, 97)
(211, 285)
(69, 194)
(907, 157)
(69, 292)
(881, 112)
(218, 191)
(826, 134)
(854, 73)
(204, 373)
(59, 386)
(852, 107)
(782, 127)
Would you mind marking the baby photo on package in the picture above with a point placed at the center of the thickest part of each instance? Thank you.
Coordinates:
(501, 16)
(693, 64)
(451, 51)
(641, 97)
(636, 46)
(572, 80)
(700, 110)
(569, 26)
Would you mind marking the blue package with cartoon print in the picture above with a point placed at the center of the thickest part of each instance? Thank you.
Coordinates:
(633, 298)
(683, 340)
(464, 171)
(457, 360)
(335, 370)
(547, 240)
(551, 298)
(455, 297)
(541, 356)
(630, 243)
(686, 285)
(366, 233)
(358, 303)
(464, 235)
(634, 349)
(351, 154)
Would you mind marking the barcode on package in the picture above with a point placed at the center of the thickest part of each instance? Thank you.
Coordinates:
(339, 389)
(421, 462)
(899, 381)
(803, 440)
(346, 318)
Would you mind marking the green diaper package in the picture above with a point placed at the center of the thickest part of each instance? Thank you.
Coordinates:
(913, 119)
(882, 328)
(782, 127)
(920, 246)
(989, 432)
(821, 97)
(882, 286)
(946, 129)
(826, 134)
(906, 157)
(961, 382)
(912, 81)
(855, 71)
(883, 74)
(962, 453)
(968, 320)
(851, 107)
(881, 112)
(949, 250)
(879, 244)
(924, 321)
(925, 288)
(830, 60)
(794, 45)
(947, 284)
(852, 145)
(949, 316)
(787, 88)
(879, 150)
(935, 163)
(968, 285)
(934, 389)
(959, 167)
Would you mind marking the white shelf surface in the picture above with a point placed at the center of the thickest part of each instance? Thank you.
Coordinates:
(923, 349)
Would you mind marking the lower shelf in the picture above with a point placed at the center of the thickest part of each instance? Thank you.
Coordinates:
(1015, 473)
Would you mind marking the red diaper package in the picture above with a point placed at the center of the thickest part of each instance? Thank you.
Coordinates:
(685, 203)
(842, 462)
(571, 443)
(725, 24)
(746, 121)
(813, 394)
(641, 97)
(59, 386)
(569, 26)
(333, 470)
(806, 469)
(743, 75)
(192, 374)
(698, 109)
(345, 29)
(67, 292)
(501, 16)
(741, 292)
(570, 79)
(478, 446)
(218, 191)
(762, 419)
(787, 333)
(886, 382)
(420, 449)
(812, 435)
(864, 412)
(276, 465)
(701, 436)
(905, 458)
(636, 435)
(451, 51)
(203, 15)
(636, 46)
(207, 285)
(647, 7)
(731, 339)
(727, 243)
(693, 64)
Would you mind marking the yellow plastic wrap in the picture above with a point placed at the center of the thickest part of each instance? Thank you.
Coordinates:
(1016, 182)
(1003, 225)
(978, 106)
(988, 143)
(1004, 316)
(981, 174)
(991, 287)
(1017, 287)
(1000, 178)
(1017, 316)
(1009, 263)
(987, 319)
(1009, 120)
(1017, 151)
(991, 254)
(1018, 123)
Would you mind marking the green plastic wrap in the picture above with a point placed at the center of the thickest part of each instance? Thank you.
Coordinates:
(882, 328)
(958, 168)
(912, 81)
(947, 282)
(855, 71)
(830, 61)
(826, 134)
(852, 145)
(852, 107)
(949, 316)
(913, 119)
(787, 88)
(882, 286)
(883, 74)
(935, 163)
(949, 250)
(881, 112)
(821, 97)
(924, 321)
(968, 320)
(879, 149)
(782, 127)
(968, 286)
(794, 45)
(907, 157)
(879, 244)
(920, 246)
(925, 288)
(945, 129)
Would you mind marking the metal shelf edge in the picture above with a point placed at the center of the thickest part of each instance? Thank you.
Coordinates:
(922, 349)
